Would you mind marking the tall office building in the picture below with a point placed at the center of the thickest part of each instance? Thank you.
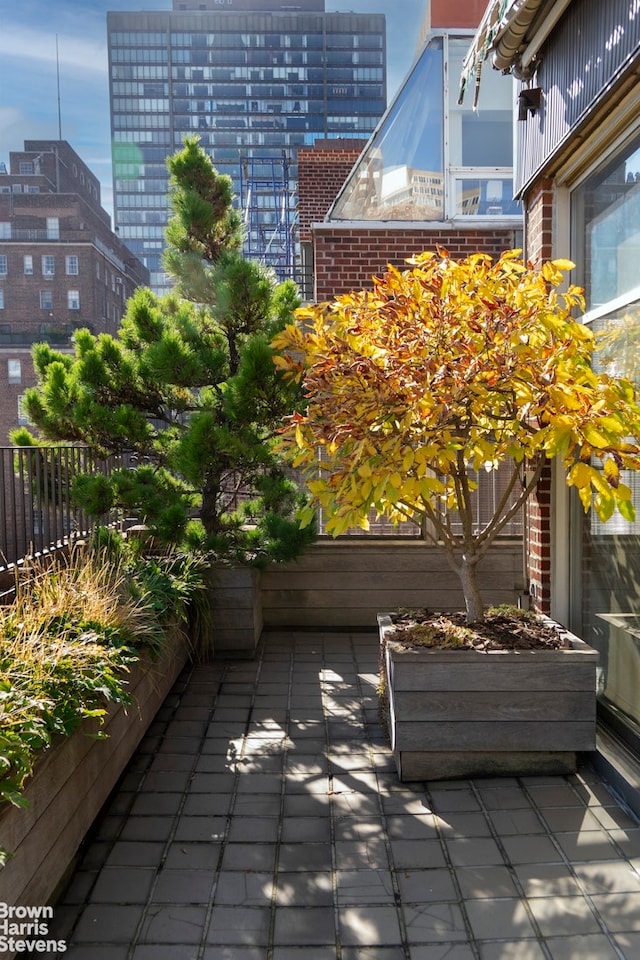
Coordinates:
(255, 80)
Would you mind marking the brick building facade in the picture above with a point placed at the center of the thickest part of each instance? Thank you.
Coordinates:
(61, 265)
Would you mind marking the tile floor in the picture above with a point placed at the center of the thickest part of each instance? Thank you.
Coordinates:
(262, 819)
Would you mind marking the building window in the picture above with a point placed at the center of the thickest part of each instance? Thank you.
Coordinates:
(71, 266)
(1, 299)
(73, 299)
(53, 228)
(5, 230)
(23, 419)
(46, 300)
(605, 244)
(28, 266)
(14, 371)
(48, 266)
(26, 166)
(3, 265)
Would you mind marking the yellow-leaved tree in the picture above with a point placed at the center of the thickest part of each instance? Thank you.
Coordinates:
(448, 367)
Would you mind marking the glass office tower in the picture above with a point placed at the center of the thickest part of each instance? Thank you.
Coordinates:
(255, 80)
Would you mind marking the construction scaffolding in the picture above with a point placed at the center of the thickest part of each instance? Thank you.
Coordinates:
(270, 214)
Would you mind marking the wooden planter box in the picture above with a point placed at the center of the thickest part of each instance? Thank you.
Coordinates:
(237, 611)
(72, 781)
(461, 713)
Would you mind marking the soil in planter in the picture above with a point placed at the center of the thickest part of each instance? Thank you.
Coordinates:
(503, 628)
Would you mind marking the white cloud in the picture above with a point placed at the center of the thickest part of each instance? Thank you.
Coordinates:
(74, 53)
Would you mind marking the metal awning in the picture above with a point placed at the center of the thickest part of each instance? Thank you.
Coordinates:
(501, 32)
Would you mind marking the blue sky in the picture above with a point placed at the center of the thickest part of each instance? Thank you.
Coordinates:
(28, 74)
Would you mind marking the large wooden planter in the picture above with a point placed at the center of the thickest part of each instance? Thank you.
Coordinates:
(237, 611)
(72, 781)
(461, 713)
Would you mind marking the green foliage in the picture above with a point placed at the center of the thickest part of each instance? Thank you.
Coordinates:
(189, 386)
(70, 636)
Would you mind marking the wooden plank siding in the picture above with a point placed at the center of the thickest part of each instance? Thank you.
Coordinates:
(346, 584)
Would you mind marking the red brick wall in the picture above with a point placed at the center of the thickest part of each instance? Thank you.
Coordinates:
(539, 247)
(322, 170)
(346, 259)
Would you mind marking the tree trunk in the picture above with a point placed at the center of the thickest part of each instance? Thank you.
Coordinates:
(474, 606)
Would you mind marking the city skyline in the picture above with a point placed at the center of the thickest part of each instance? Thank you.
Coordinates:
(54, 73)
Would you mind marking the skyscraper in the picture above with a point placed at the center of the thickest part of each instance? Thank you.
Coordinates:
(255, 80)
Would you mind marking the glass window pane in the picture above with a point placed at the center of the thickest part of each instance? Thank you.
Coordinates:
(482, 137)
(606, 210)
(400, 174)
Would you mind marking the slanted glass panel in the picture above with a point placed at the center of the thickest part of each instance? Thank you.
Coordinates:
(490, 196)
(400, 175)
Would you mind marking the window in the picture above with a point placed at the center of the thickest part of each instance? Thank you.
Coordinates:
(71, 266)
(26, 166)
(3, 265)
(1, 299)
(53, 228)
(28, 266)
(14, 371)
(23, 419)
(48, 266)
(5, 230)
(73, 299)
(46, 300)
(605, 243)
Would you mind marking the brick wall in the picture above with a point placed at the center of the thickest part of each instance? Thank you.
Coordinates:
(322, 170)
(346, 258)
(539, 246)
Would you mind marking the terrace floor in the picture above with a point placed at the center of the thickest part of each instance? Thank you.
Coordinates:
(262, 819)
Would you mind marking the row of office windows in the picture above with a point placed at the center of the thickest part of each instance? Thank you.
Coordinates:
(51, 231)
(47, 265)
(46, 299)
(239, 71)
(259, 58)
(270, 41)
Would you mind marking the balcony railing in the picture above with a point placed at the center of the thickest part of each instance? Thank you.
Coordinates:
(37, 514)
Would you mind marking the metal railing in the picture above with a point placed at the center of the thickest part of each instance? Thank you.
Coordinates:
(37, 514)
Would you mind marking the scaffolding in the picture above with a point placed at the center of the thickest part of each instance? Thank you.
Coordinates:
(269, 213)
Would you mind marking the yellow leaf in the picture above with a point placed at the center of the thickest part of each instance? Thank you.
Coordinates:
(563, 264)
(596, 438)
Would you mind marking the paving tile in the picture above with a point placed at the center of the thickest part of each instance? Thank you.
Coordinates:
(304, 856)
(615, 876)
(239, 925)
(173, 924)
(359, 854)
(480, 882)
(515, 822)
(183, 856)
(368, 926)
(439, 951)
(512, 950)
(417, 853)
(587, 845)
(304, 888)
(425, 886)
(563, 915)
(306, 829)
(312, 925)
(249, 856)
(593, 947)
(159, 951)
(620, 912)
(546, 880)
(629, 944)
(199, 828)
(253, 829)
(454, 798)
(183, 886)
(433, 922)
(244, 888)
(364, 886)
(107, 924)
(90, 952)
(531, 849)
(473, 851)
(123, 885)
(492, 919)
(412, 827)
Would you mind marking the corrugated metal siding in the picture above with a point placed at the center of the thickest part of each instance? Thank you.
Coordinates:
(590, 48)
